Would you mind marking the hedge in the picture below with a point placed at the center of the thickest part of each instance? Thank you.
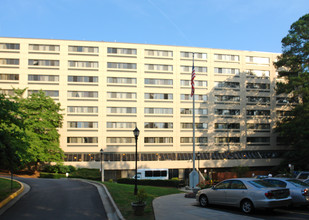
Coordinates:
(84, 173)
(52, 175)
(166, 183)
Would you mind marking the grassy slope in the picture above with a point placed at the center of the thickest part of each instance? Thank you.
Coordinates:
(5, 188)
(123, 195)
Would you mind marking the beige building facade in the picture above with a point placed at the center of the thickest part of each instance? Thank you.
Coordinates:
(107, 89)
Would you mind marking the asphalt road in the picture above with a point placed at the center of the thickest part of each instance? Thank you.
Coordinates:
(51, 199)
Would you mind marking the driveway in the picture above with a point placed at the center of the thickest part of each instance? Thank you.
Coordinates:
(51, 199)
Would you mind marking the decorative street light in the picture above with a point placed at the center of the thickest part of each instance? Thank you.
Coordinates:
(102, 172)
(136, 133)
(198, 165)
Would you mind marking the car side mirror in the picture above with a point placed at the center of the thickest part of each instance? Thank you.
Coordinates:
(213, 187)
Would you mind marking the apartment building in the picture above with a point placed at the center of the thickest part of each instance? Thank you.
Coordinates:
(107, 89)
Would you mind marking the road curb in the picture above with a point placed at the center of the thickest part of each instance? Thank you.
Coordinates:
(12, 196)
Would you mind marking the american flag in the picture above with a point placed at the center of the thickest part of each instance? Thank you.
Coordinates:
(192, 79)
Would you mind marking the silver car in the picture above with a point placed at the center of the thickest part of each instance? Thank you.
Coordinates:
(299, 190)
(246, 193)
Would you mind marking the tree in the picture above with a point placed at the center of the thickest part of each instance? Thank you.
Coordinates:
(12, 135)
(41, 118)
(293, 67)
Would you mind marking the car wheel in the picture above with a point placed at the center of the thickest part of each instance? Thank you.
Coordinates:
(203, 201)
(247, 206)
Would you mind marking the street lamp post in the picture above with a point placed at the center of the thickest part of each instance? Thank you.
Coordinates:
(136, 133)
(102, 172)
(198, 165)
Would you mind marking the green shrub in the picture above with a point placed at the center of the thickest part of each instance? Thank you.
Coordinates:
(84, 173)
(52, 175)
(58, 168)
(166, 183)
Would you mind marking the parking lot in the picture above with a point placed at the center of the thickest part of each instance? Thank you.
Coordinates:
(177, 207)
(291, 213)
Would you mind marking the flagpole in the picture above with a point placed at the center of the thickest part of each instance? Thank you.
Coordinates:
(193, 176)
(193, 141)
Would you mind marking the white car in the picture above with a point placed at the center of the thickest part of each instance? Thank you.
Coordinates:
(247, 193)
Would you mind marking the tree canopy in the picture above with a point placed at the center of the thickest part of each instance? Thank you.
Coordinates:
(12, 135)
(293, 67)
(38, 117)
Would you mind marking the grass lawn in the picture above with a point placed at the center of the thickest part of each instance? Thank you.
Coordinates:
(5, 188)
(123, 195)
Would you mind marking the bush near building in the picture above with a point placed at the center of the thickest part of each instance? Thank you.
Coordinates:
(165, 183)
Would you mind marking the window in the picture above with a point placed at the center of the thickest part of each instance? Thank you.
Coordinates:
(44, 47)
(7, 76)
(121, 65)
(43, 78)
(258, 99)
(227, 71)
(82, 124)
(227, 112)
(227, 98)
(227, 85)
(198, 69)
(258, 126)
(82, 94)
(224, 140)
(159, 53)
(121, 95)
(227, 126)
(126, 51)
(258, 140)
(82, 140)
(120, 110)
(4, 61)
(83, 64)
(160, 111)
(159, 67)
(196, 96)
(121, 80)
(257, 74)
(159, 96)
(120, 140)
(82, 109)
(83, 79)
(258, 86)
(237, 184)
(257, 60)
(165, 82)
(196, 55)
(158, 140)
(187, 140)
(189, 111)
(197, 125)
(164, 125)
(83, 49)
(226, 57)
(258, 112)
(198, 83)
(285, 100)
(51, 93)
(223, 185)
(120, 124)
(9, 46)
(43, 62)
(7, 92)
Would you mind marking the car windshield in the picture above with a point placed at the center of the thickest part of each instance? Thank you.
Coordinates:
(261, 184)
(298, 183)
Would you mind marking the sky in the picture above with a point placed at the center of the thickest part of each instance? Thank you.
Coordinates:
(255, 25)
